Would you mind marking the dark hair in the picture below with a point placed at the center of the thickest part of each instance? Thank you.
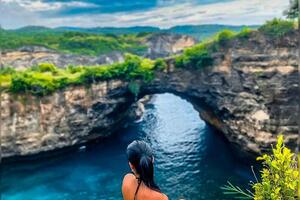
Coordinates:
(140, 155)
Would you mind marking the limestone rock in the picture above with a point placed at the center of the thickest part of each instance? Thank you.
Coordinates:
(250, 94)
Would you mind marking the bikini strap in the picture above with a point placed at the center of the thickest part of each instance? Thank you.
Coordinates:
(137, 189)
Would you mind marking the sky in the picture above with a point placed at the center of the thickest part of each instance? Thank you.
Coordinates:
(126, 13)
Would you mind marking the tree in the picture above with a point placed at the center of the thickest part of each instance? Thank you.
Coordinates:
(293, 11)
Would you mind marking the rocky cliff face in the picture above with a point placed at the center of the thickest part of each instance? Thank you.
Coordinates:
(250, 94)
(31, 125)
(165, 44)
(32, 55)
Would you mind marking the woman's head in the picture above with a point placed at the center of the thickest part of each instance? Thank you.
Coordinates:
(140, 157)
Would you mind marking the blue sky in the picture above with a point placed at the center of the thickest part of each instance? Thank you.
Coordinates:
(124, 13)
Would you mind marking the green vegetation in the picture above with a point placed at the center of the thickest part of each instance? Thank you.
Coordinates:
(46, 78)
(73, 42)
(196, 57)
(224, 36)
(134, 88)
(279, 177)
(244, 33)
(277, 27)
(160, 64)
(5, 77)
(200, 55)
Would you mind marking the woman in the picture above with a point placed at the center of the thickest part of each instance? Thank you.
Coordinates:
(140, 185)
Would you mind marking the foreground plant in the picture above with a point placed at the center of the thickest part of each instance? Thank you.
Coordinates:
(279, 177)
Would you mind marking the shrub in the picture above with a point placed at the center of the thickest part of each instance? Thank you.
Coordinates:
(98, 73)
(279, 177)
(244, 33)
(45, 67)
(181, 61)
(160, 64)
(5, 77)
(136, 68)
(74, 69)
(5, 81)
(7, 70)
(36, 83)
(198, 56)
(133, 68)
(224, 36)
(277, 27)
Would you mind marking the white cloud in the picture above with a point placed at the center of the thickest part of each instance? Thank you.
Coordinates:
(233, 12)
(13, 15)
(39, 5)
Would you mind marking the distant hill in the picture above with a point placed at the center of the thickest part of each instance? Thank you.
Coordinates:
(112, 30)
(100, 40)
(72, 41)
(33, 29)
(199, 32)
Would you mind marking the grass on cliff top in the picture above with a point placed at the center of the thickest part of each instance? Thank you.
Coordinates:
(200, 55)
(46, 78)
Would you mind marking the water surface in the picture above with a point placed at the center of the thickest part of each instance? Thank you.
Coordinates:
(192, 161)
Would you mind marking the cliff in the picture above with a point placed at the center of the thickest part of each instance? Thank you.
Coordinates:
(250, 94)
(165, 44)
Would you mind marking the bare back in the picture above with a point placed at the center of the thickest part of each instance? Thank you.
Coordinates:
(129, 186)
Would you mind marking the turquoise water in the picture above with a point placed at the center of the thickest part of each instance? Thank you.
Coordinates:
(192, 161)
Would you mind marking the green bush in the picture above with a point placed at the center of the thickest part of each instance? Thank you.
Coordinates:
(74, 69)
(45, 67)
(277, 27)
(224, 36)
(244, 33)
(280, 177)
(197, 56)
(36, 83)
(7, 70)
(137, 68)
(97, 73)
(160, 64)
(200, 55)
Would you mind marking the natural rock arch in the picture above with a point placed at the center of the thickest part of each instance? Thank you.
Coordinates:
(250, 94)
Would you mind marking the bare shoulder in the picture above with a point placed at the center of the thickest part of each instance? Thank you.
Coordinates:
(128, 179)
(128, 184)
